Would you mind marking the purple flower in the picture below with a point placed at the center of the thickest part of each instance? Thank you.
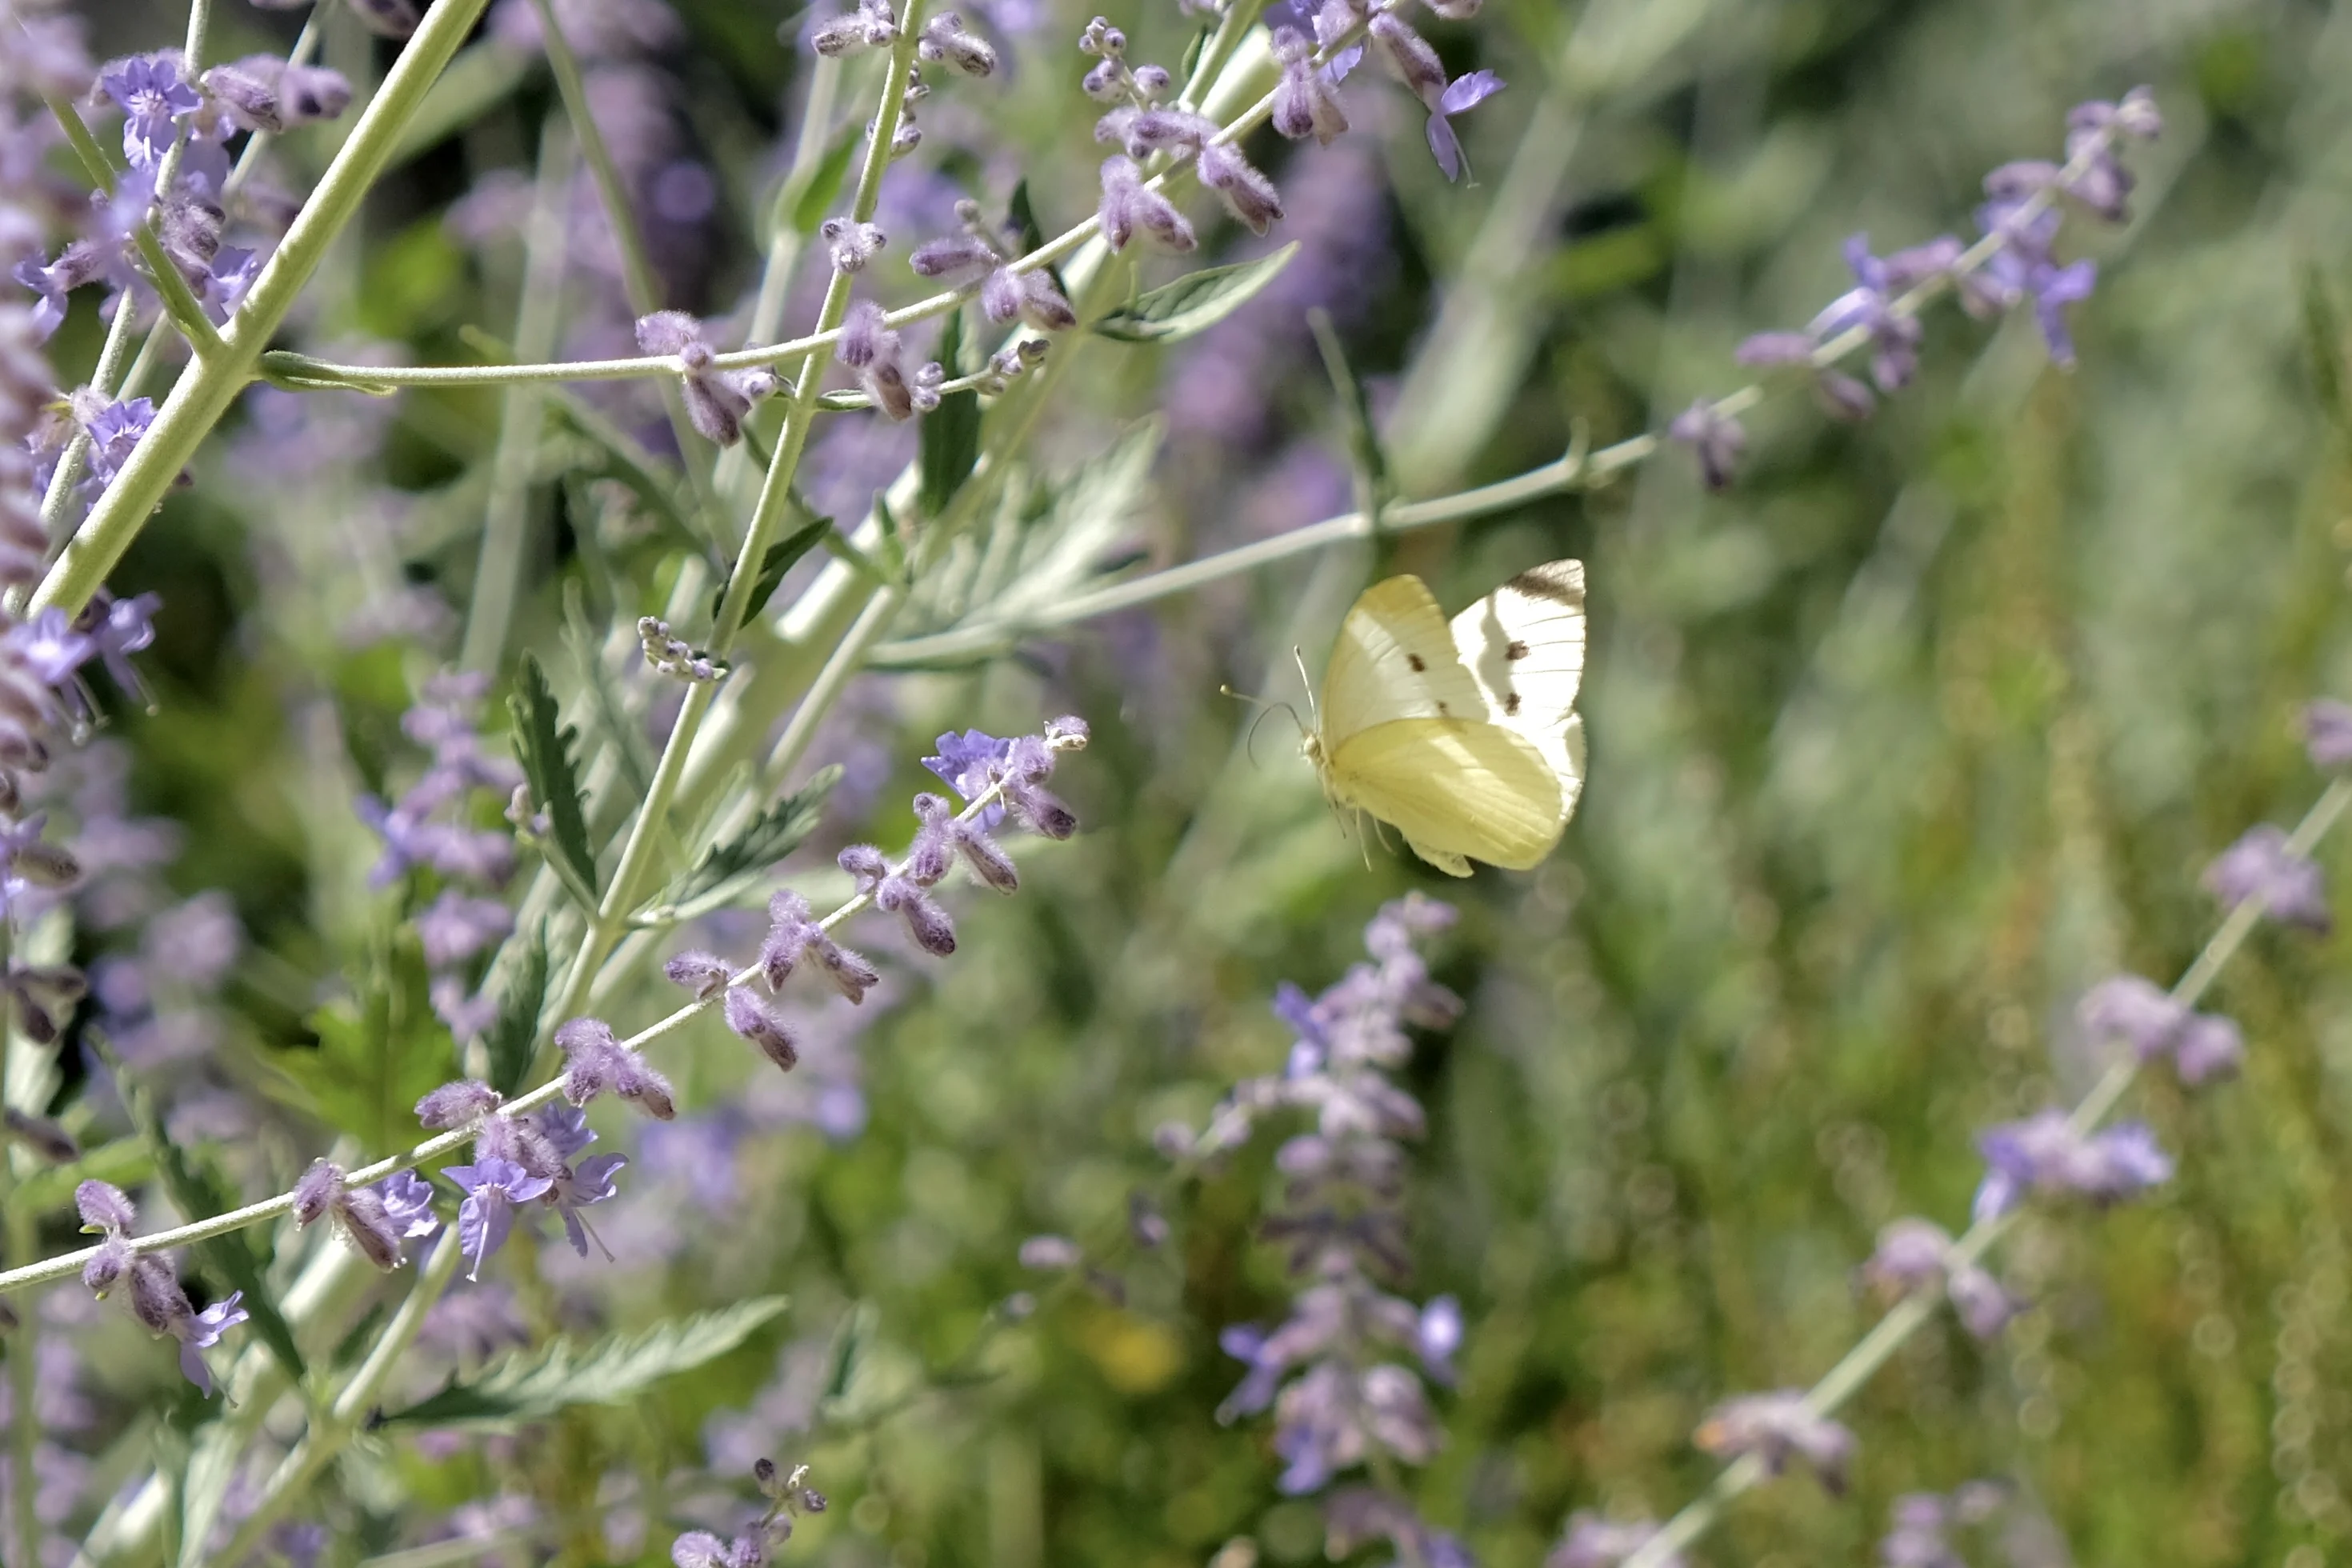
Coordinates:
(2043, 1152)
(703, 973)
(152, 98)
(1715, 438)
(1775, 1428)
(199, 1332)
(2209, 1047)
(2134, 1010)
(2260, 866)
(1983, 1303)
(716, 401)
(1129, 207)
(454, 927)
(754, 1020)
(493, 1187)
(1305, 102)
(456, 1104)
(1460, 94)
(969, 763)
(1909, 1256)
(596, 1063)
(1869, 305)
(794, 936)
(586, 1184)
(1840, 394)
(1437, 1335)
(2327, 734)
(897, 893)
(408, 1203)
(104, 1207)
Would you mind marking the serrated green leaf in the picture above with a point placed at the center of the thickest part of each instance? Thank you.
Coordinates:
(377, 1052)
(814, 199)
(726, 869)
(543, 746)
(950, 434)
(1194, 302)
(202, 1192)
(514, 1036)
(531, 1385)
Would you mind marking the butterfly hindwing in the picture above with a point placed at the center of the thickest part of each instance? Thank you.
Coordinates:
(1395, 659)
(1458, 789)
(1524, 646)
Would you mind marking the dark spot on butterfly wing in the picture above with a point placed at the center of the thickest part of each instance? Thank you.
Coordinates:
(1517, 651)
(1510, 702)
(1443, 711)
(1558, 581)
(1418, 663)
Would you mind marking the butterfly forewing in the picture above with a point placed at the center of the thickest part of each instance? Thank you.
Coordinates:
(1524, 646)
(1458, 789)
(1394, 660)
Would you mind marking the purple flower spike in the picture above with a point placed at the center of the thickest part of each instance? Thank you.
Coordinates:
(901, 895)
(2044, 1154)
(2260, 865)
(1460, 94)
(1778, 1428)
(493, 1188)
(1593, 1541)
(2327, 734)
(199, 1332)
(1715, 439)
(1869, 306)
(2136, 1011)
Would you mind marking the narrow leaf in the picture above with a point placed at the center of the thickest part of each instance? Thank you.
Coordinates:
(2322, 332)
(814, 199)
(1356, 407)
(531, 1385)
(894, 540)
(516, 1032)
(1194, 302)
(543, 745)
(1024, 218)
(781, 558)
(950, 433)
(725, 870)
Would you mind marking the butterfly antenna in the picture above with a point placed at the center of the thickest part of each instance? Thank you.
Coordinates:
(1264, 709)
(1304, 680)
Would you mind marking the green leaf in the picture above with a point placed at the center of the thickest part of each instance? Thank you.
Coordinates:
(1024, 218)
(201, 1192)
(781, 558)
(1192, 60)
(512, 1037)
(950, 433)
(378, 1052)
(725, 870)
(814, 199)
(2323, 333)
(543, 745)
(1194, 302)
(530, 1386)
(124, 1162)
(894, 540)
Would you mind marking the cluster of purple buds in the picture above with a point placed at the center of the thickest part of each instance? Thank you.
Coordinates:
(1777, 1430)
(152, 1287)
(872, 25)
(429, 828)
(2326, 727)
(676, 657)
(262, 92)
(531, 1158)
(2202, 1046)
(2020, 218)
(872, 348)
(2046, 1153)
(788, 1497)
(717, 401)
(1914, 1257)
(1005, 294)
(2264, 865)
(1318, 46)
(1142, 122)
(1921, 1523)
(377, 1220)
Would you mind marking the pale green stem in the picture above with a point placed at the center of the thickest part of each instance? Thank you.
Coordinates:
(205, 393)
(23, 1390)
(1877, 1347)
(638, 278)
(328, 1436)
(70, 1263)
(507, 513)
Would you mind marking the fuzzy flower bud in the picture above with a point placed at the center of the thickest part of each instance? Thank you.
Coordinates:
(752, 1019)
(1129, 206)
(944, 38)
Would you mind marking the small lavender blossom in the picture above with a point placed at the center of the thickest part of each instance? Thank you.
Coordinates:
(108, 1265)
(715, 402)
(152, 98)
(2211, 1047)
(1840, 395)
(454, 927)
(2327, 734)
(1871, 306)
(872, 348)
(2261, 865)
(319, 1187)
(794, 936)
(1983, 1303)
(703, 974)
(589, 1183)
(872, 25)
(2044, 1154)
(458, 1104)
(2135, 1010)
(493, 1188)
(407, 1200)
(1051, 1253)
(1305, 102)
(894, 892)
(104, 1207)
(115, 431)
(1714, 438)
(945, 38)
(1593, 1541)
(199, 1332)
(1916, 1538)
(597, 1063)
(1909, 1257)
(1775, 1428)
(1128, 207)
(1462, 94)
(852, 243)
(755, 1021)
(944, 833)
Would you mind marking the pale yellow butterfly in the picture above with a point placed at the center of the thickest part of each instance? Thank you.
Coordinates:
(1464, 737)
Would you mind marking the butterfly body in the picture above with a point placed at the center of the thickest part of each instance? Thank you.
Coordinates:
(1460, 735)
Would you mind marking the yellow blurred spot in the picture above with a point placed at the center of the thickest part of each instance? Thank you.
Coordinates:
(1137, 1355)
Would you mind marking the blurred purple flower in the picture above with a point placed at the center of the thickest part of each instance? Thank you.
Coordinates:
(493, 1187)
(2327, 734)
(1775, 1428)
(2261, 865)
(199, 1332)
(2043, 1152)
(1460, 94)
